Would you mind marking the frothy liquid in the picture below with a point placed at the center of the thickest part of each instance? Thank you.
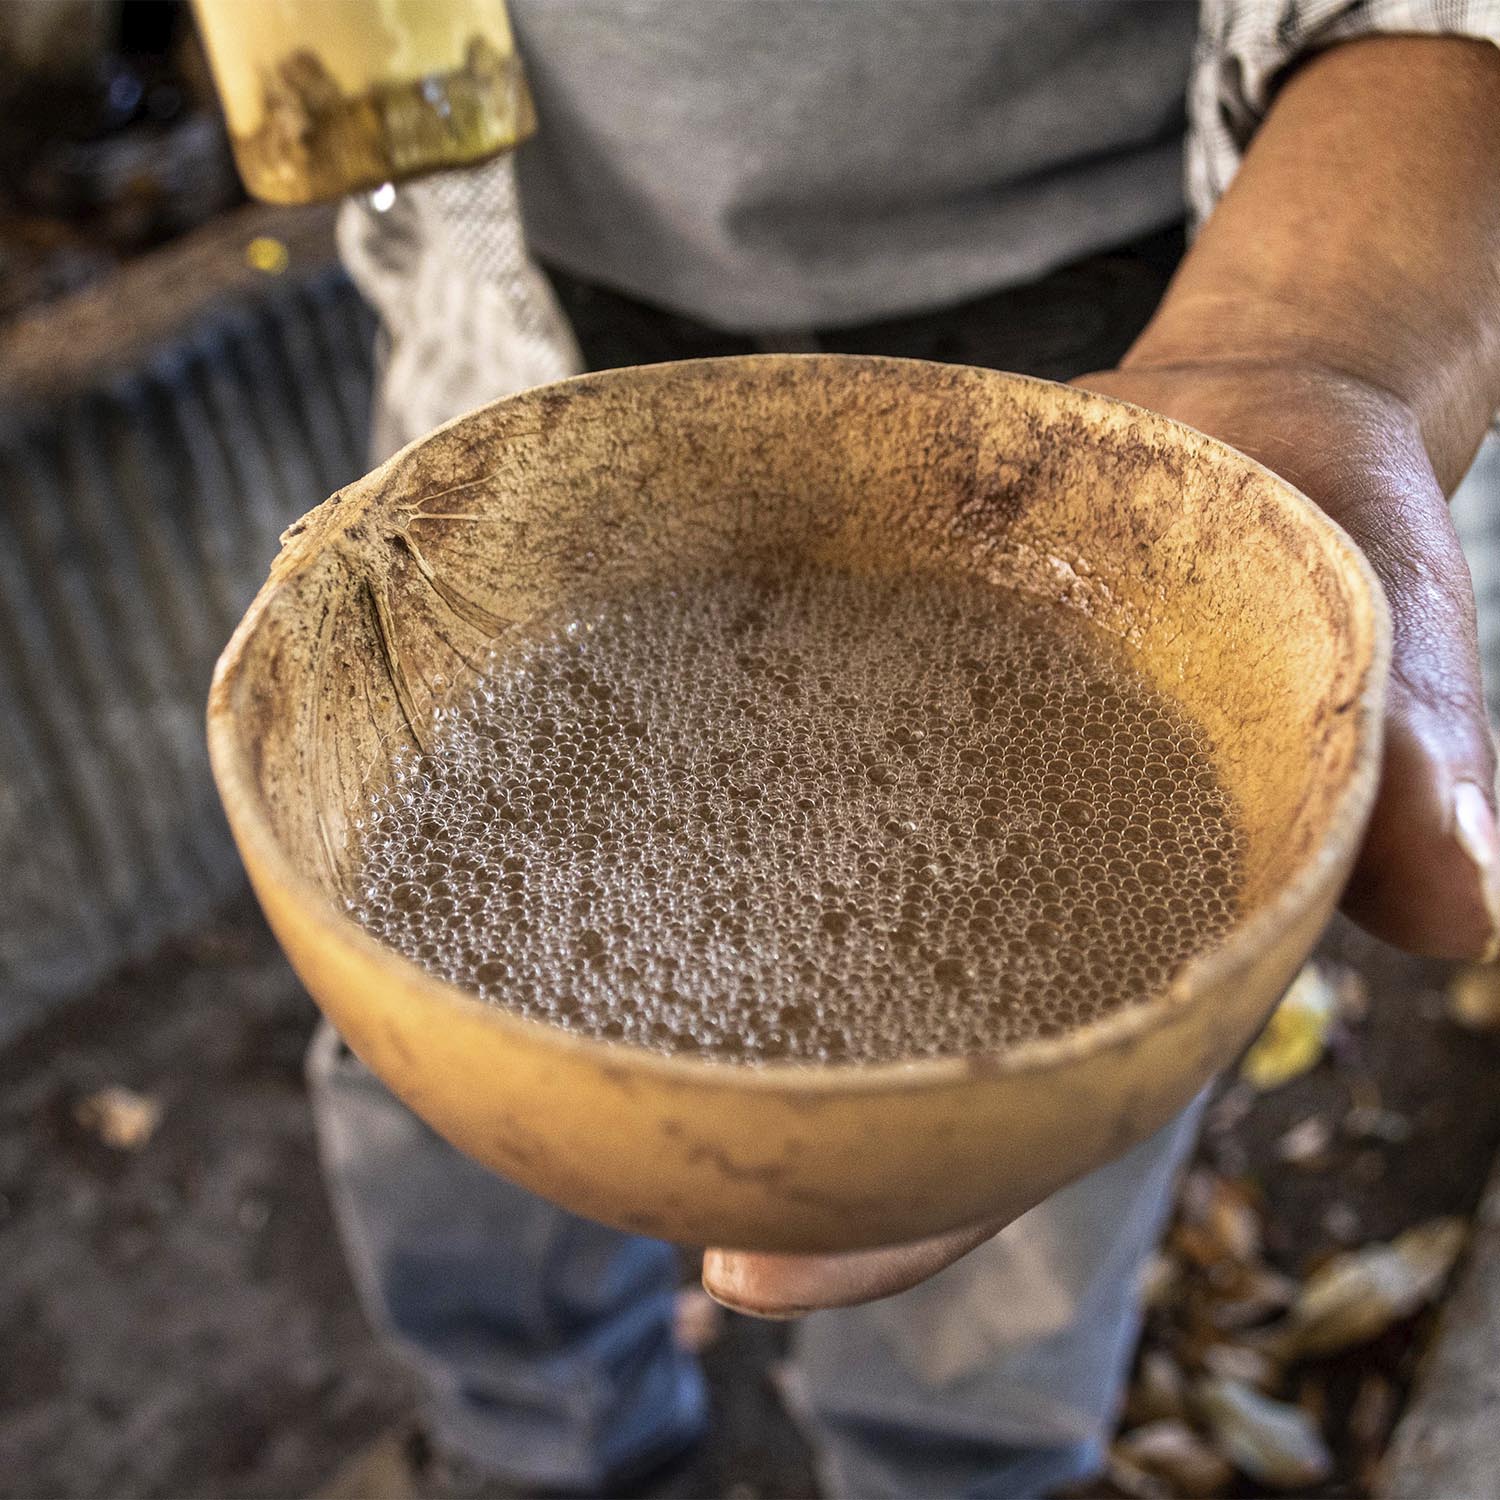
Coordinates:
(799, 814)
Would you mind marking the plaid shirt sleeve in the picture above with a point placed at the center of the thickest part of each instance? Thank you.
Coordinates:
(1245, 47)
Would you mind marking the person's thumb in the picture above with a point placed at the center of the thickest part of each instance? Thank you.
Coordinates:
(1428, 877)
(786, 1286)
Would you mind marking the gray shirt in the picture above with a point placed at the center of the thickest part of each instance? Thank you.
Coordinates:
(776, 164)
(779, 163)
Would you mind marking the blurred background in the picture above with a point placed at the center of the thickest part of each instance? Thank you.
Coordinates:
(183, 373)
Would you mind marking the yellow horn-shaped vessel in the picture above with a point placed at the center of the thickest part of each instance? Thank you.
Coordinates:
(1234, 594)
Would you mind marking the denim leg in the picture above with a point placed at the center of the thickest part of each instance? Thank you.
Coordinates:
(1000, 1376)
(544, 1341)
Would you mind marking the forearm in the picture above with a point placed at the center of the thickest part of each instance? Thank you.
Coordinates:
(1362, 236)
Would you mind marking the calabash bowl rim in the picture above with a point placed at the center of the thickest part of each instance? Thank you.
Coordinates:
(1199, 977)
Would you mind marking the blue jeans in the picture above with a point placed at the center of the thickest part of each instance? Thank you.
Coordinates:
(545, 1345)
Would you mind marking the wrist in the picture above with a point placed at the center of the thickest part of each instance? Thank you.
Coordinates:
(1264, 331)
(1394, 398)
(1360, 236)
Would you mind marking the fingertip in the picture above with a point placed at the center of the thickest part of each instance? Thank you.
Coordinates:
(1428, 876)
(739, 1282)
(787, 1286)
(1474, 831)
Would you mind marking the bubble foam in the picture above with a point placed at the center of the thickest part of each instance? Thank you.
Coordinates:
(801, 814)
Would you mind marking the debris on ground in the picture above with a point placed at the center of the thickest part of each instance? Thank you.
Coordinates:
(1158, 1392)
(1355, 1297)
(1372, 1415)
(1170, 1451)
(1267, 1369)
(1369, 1122)
(1297, 1033)
(1306, 1143)
(1474, 997)
(1269, 1441)
(268, 254)
(1242, 1362)
(120, 1117)
(265, 1380)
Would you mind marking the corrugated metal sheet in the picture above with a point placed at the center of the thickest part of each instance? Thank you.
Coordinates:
(139, 512)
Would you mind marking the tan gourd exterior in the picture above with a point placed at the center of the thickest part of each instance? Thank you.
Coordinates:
(1237, 596)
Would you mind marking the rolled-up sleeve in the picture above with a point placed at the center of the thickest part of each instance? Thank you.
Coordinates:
(1245, 48)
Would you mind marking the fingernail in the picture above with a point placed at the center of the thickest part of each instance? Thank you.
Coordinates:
(1474, 828)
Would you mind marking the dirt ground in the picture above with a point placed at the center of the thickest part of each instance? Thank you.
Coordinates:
(175, 1319)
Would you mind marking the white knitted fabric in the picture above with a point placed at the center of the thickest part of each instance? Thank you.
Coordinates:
(466, 314)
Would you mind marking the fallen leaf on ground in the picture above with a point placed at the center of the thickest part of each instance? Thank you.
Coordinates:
(1225, 1214)
(1295, 1036)
(1172, 1451)
(1356, 1296)
(1341, 1223)
(1312, 1397)
(1134, 1482)
(1306, 1143)
(1372, 1413)
(120, 1117)
(1230, 1109)
(266, 254)
(1351, 995)
(1195, 1246)
(1240, 1362)
(1158, 1279)
(1233, 1219)
(1474, 996)
(1251, 1297)
(1268, 1441)
(1372, 1123)
(1158, 1391)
